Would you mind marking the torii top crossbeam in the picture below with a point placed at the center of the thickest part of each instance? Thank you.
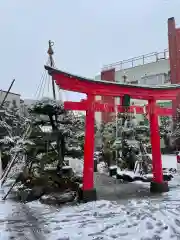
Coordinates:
(79, 84)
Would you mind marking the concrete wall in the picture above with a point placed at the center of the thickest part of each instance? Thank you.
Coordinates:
(135, 74)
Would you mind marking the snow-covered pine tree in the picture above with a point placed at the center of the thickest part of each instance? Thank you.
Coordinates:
(13, 125)
(129, 138)
(68, 128)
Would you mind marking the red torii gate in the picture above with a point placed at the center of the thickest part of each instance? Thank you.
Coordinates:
(94, 88)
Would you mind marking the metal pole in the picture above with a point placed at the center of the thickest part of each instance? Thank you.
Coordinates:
(50, 52)
(7, 93)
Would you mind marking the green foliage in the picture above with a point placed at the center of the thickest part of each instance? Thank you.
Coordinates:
(127, 138)
(48, 107)
(67, 125)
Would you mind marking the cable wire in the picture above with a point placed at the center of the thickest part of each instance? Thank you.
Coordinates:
(42, 86)
(41, 82)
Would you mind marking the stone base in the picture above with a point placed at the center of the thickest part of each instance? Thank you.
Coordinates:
(159, 187)
(87, 195)
(67, 171)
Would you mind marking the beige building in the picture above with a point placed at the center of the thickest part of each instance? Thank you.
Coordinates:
(150, 69)
(12, 98)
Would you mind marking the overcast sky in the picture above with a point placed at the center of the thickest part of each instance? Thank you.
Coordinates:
(87, 35)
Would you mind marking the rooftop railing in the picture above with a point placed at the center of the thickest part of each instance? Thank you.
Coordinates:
(137, 61)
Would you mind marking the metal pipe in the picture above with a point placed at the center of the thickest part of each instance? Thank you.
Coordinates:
(5, 97)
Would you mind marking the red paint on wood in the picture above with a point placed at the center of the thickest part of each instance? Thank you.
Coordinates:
(88, 172)
(108, 75)
(74, 83)
(155, 143)
(97, 106)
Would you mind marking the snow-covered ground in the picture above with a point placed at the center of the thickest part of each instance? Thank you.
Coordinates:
(150, 218)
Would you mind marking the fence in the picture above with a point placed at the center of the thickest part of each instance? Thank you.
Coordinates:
(137, 61)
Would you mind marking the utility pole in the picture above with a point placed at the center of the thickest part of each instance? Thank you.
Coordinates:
(9, 89)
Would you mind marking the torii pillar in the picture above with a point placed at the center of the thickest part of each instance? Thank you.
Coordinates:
(88, 192)
(157, 185)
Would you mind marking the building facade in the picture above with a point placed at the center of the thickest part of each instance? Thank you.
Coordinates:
(12, 98)
(150, 69)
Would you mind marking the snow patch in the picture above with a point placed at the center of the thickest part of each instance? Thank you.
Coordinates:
(168, 161)
(76, 164)
(113, 167)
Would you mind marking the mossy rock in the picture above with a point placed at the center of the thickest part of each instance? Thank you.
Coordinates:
(58, 198)
(40, 181)
(28, 195)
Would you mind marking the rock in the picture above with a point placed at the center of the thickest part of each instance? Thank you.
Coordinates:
(38, 191)
(124, 177)
(67, 171)
(167, 177)
(112, 171)
(127, 178)
(58, 198)
(138, 178)
(28, 195)
(78, 179)
(23, 194)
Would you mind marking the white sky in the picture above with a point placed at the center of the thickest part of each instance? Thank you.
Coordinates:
(87, 35)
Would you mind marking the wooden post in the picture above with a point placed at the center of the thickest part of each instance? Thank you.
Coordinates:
(158, 185)
(88, 191)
